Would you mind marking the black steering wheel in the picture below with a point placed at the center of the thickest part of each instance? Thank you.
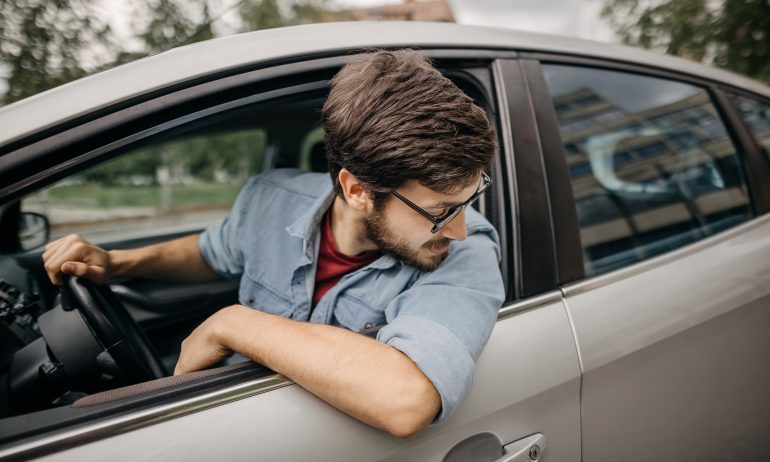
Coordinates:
(88, 343)
(126, 353)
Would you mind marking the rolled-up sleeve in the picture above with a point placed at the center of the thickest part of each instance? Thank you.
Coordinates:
(220, 245)
(444, 320)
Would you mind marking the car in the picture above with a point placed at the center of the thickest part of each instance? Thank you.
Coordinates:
(631, 194)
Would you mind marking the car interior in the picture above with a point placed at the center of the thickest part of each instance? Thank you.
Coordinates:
(81, 351)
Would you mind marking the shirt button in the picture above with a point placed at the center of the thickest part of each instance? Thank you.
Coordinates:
(250, 301)
(368, 325)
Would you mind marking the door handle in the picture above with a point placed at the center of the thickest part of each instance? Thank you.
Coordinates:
(524, 450)
(487, 446)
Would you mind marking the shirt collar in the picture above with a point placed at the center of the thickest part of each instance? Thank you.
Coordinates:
(308, 224)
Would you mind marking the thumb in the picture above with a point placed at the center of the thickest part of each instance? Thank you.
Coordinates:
(94, 274)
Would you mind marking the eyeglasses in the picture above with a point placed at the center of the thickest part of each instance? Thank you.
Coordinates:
(440, 222)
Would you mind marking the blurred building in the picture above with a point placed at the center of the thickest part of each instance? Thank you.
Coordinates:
(410, 10)
(646, 181)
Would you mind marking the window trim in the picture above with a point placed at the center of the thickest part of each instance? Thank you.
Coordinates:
(533, 243)
(568, 248)
(132, 124)
(756, 165)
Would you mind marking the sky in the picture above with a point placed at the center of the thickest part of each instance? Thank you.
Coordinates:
(576, 18)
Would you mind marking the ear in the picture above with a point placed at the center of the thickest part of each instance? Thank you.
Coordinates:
(356, 195)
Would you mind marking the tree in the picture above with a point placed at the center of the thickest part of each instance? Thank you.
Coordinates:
(47, 43)
(172, 23)
(732, 34)
(266, 14)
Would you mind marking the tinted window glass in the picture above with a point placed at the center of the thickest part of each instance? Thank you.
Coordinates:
(757, 117)
(651, 165)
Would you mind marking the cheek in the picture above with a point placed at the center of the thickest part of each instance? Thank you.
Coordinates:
(411, 227)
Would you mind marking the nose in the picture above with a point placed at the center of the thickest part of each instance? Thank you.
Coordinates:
(456, 229)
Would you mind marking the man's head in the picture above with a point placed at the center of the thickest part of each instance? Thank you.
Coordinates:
(394, 123)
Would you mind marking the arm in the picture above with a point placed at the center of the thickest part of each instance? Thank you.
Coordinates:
(176, 260)
(370, 381)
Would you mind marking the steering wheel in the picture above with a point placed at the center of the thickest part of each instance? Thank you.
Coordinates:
(129, 354)
(89, 343)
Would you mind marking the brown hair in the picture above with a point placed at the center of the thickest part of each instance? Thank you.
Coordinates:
(393, 117)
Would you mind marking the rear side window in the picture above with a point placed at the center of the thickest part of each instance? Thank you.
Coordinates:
(757, 116)
(651, 165)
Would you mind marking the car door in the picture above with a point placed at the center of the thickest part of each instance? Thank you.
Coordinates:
(525, 399)
(671, 315)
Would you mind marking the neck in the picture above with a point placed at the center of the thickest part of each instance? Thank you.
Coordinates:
(349, 230)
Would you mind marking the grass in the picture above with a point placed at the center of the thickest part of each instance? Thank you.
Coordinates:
(94, 196)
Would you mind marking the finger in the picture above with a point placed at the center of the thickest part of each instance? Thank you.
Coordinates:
(93, 273)
(72, 248)
(179, 368)
(53, 244)
(52, 247)
(54, 262)
(68, 239)
(52, 266)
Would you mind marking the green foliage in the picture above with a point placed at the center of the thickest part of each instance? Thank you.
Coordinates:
(233, 155)
(171, 24)
(47, 43)
(733, 34)
(266, 14)
(96, 196)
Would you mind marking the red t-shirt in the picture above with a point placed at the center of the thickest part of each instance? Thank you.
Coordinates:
(332, 264)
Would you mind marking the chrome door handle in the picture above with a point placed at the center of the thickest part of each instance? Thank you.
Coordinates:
(524, 450)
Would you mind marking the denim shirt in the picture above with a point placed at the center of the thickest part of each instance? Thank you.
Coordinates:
(441, 319)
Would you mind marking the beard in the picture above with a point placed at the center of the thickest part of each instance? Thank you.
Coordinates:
(378, 232)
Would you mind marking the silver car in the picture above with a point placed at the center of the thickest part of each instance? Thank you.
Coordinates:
(631, 193)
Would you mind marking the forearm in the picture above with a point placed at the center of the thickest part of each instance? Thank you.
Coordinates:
(176, 260)
(370, 381)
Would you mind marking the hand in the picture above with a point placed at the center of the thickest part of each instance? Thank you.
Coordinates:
(203, 347)
(73, 255)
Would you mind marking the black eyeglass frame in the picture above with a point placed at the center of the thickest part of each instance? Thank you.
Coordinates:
(440, 222)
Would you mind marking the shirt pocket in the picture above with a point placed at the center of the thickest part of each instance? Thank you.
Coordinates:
(263, 298)
(356, 314)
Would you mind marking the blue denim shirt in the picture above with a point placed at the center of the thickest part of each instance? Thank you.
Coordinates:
(440, 319)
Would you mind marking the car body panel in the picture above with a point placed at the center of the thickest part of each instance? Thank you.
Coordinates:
(290, 424)
(675, 353)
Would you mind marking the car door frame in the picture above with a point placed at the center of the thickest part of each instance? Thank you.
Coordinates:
(140, 117)
(756, 170)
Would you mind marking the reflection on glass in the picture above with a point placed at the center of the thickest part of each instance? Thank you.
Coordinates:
(757, 117)
(33, 231)
(651, 164)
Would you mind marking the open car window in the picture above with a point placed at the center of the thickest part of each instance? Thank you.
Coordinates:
(185, 179)
(173, 182)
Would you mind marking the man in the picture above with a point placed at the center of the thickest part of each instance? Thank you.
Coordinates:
(388, 240)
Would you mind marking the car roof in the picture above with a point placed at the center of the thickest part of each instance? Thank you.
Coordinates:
(222, 54)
